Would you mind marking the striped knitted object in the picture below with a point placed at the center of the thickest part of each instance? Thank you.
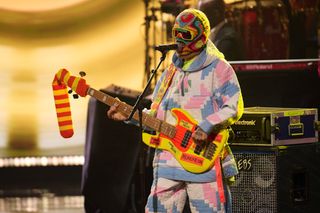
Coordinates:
(61, 81)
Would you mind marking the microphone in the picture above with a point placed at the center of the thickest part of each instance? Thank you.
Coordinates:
(166, 47)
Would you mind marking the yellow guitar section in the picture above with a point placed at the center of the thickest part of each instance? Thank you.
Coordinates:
(190, 160)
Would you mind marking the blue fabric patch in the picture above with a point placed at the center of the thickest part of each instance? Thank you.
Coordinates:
(206, 126)
(162, 161)
(218, 201)
(169, 104)
(175, 209)
(181, 174)
(178, 62)
(228, 89)
(201, 206)
(207, 108)
(198, 63)
(207, 70)
(153, 204)
(230, 171)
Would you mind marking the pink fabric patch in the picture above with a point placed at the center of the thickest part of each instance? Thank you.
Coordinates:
(221, 70)
(209, 194)
(214, 118)
(195, 102)
(204, 91)
(186, 85)
(225, 99)
(160, 114)
(165, 155)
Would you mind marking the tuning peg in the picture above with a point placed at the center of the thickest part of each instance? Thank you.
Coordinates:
(82, 73)
(75, 96)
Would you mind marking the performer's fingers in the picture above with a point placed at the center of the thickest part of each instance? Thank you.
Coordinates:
(109, 114)
(116, 104)
(196, 138)
(111, 111)
(199, 137)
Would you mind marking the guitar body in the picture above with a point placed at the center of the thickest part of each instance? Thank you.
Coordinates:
(192, 157)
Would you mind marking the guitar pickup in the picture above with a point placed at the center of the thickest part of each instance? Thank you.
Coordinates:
(210, 150)
(186, 138)
(198, 149)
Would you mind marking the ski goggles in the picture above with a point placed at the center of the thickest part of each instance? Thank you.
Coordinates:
(183, 34)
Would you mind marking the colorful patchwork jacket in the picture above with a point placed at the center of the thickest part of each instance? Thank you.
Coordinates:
(207, 88)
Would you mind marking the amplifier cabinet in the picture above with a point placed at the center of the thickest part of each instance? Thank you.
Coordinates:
(273, 126)
(277, 179)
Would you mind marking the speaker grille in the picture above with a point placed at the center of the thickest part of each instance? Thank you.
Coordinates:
(255, 189)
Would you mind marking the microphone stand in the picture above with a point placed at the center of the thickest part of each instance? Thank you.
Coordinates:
(138, 106)
(141, 96)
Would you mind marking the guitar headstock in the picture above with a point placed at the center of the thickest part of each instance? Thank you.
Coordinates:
(76, 84)
(61, 81)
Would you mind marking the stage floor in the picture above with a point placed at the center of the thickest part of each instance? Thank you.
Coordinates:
(41, 180)
(47, 203)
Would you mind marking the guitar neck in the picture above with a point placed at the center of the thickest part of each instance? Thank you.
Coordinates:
(147, 120)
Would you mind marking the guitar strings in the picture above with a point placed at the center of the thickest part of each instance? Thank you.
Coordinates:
(179, 135)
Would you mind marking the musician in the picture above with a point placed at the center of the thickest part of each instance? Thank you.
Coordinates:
(222, 34)
(201, 82)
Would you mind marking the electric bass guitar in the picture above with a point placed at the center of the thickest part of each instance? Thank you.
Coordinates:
(174, 138)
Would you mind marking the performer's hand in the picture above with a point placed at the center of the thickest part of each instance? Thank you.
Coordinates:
(199, 136)
(112, 113)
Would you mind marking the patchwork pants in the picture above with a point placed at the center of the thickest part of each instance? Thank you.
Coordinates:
(169, 196)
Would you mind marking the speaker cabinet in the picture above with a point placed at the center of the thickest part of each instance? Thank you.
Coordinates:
(277, 179)
(111, 155)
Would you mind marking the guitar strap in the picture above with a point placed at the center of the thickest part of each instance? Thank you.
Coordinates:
(163, 88)
(219, 177)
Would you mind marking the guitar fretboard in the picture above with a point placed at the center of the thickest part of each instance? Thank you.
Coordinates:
(147, 120)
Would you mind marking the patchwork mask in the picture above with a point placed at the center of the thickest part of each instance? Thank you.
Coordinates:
(191, 31)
